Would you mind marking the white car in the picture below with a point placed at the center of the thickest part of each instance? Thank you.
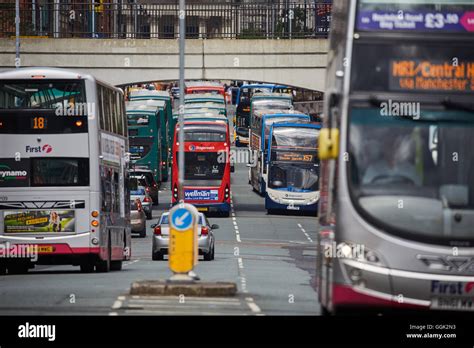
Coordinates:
(161, 233)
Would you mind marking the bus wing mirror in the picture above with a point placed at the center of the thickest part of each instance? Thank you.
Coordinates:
(328, 143)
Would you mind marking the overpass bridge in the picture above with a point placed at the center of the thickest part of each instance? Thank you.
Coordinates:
(295, 62)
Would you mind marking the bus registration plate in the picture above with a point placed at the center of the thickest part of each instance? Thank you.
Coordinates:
(40, 248)
(453, 303)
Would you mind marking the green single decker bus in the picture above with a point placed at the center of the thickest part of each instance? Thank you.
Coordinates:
(160, 107)
(144, 95)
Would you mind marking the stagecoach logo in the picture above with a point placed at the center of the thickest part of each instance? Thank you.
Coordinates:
(192, 147)
(39, 149)
(6, 173)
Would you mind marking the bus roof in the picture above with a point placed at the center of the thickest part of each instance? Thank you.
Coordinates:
(203, 96)
(43, 73)
(257, 85)
(219, 125)
(272, 95)
(203, 84)
(296, 125)
(278, 112)
(141, 104)
(148, 94)
(143, 108)
(204, 106)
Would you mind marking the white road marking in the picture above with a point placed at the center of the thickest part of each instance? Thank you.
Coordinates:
(305, 233)
(113, 314)
(117, 304)
(241, 263)
(252, 305)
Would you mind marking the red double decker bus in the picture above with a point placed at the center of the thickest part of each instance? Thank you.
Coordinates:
(207, 166)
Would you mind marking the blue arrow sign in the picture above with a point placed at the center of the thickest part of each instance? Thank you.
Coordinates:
(182, 219)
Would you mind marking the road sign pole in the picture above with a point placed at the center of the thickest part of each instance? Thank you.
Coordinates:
(17, 33)
(182, 47)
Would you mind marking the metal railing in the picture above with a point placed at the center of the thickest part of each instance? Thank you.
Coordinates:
(93, 19)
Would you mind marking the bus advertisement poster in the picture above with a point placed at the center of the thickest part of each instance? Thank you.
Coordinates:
(39, 221)
(14, 173)
(423, 21)
(201, 195)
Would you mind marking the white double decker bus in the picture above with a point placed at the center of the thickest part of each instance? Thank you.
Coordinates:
(64, 196)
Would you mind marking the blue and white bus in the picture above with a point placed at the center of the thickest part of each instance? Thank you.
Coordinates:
(261, 121)
(293, 168)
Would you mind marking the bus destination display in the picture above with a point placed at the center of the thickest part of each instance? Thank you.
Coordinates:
(426, 75)
(294, 157)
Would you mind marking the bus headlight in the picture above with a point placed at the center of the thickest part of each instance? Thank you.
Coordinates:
(315, 199)
(273, 197)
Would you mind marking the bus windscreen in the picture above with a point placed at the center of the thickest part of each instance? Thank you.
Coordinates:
(64, 95)
(203, 166)
(295, 138)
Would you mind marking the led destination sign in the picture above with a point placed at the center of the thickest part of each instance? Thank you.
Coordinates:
(426, 75)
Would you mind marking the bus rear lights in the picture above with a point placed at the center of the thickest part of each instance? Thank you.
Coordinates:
(78, 123)
(147, 199)
(95, 223)
(95, 241)
(95, 214)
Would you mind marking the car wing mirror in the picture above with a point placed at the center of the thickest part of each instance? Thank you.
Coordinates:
(215, 227)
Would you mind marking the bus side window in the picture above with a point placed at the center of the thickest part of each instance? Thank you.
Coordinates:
(106, 183)
(116, 193)
(101, 106)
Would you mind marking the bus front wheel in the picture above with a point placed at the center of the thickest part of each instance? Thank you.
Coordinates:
(87, 267)
(116, 265)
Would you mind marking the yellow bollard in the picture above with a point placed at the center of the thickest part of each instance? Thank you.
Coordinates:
(183, 244)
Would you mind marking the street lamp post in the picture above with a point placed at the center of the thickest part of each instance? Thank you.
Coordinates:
(182, 46)
(17, 34)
